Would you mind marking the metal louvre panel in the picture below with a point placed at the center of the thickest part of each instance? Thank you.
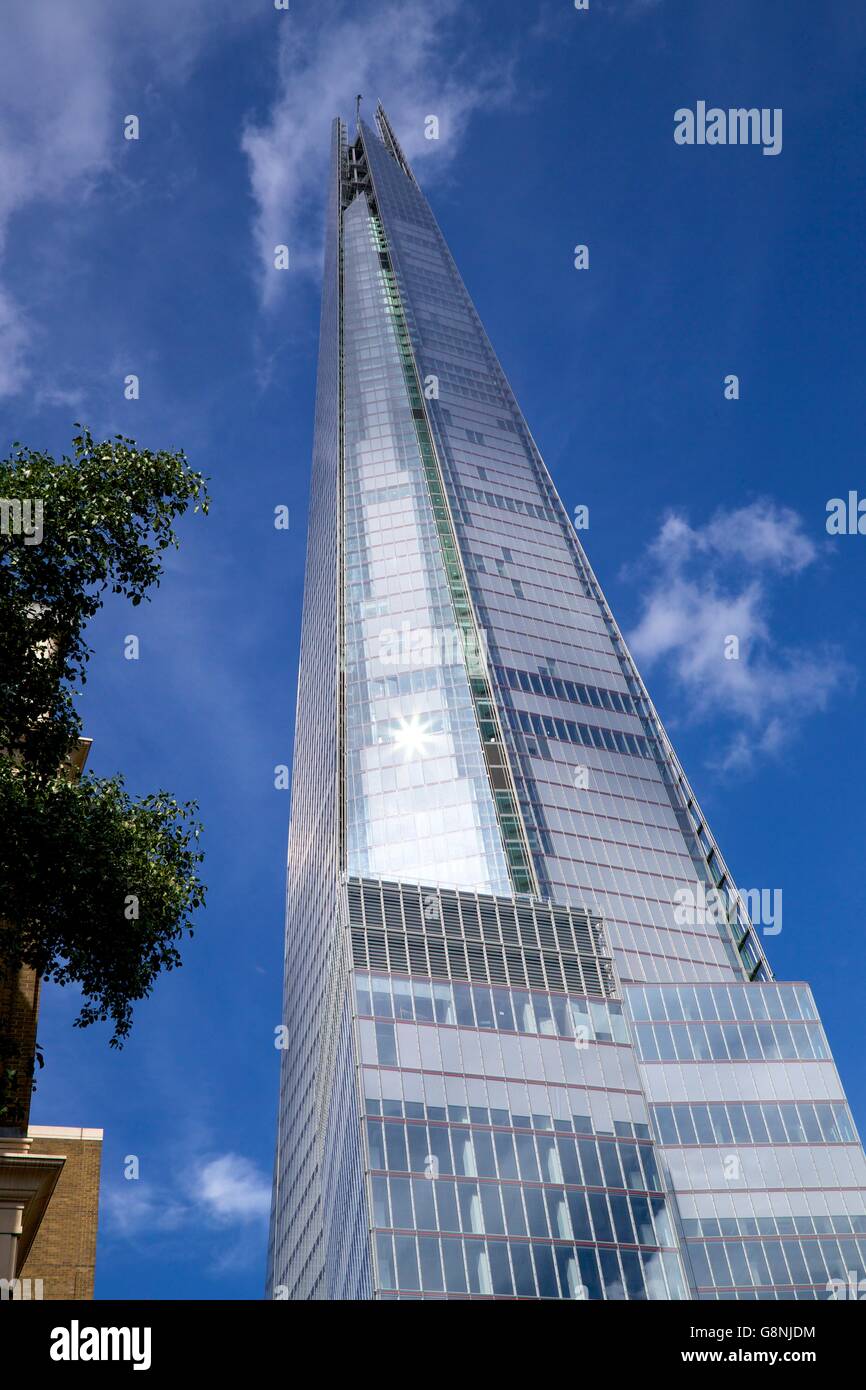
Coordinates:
(397, 952)
(471, 936)
(457, 960)
(376, 950)
(418, 963)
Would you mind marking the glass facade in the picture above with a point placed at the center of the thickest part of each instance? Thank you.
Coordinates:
(419, 804)
(757, 1139)
(514, 1067)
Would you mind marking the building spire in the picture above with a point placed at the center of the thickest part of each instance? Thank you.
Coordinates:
(358, 110)
(390, 139)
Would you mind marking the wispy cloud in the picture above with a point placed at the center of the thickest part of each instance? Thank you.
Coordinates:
(226, 1191)
(130, 1208)
(67, 76)
(403, 54)
(54, 133)
(14, 337)
(706, 621)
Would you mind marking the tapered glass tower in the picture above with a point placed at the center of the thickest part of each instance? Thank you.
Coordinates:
(534, 1049)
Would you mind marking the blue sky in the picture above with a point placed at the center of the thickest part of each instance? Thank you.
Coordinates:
(707, 516)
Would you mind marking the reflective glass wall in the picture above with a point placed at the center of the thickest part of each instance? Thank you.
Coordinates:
(508, 1146)
(608, 829)
(757, 1139)
(419, 804)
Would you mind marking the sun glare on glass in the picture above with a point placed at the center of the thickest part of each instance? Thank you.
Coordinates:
(412, 736)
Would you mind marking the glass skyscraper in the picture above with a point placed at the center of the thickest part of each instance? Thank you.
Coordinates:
(533, 1046)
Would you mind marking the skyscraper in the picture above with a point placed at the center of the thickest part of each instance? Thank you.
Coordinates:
(533, 1046)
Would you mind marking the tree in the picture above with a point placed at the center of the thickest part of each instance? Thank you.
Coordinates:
(96, 888)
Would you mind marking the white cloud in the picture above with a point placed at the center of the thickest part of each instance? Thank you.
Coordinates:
(407, 55)
(760, 534)
(56, 101)
(233, 1190)
(68, 74)
(228, 1191)
(704, 585)
(54, 132)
